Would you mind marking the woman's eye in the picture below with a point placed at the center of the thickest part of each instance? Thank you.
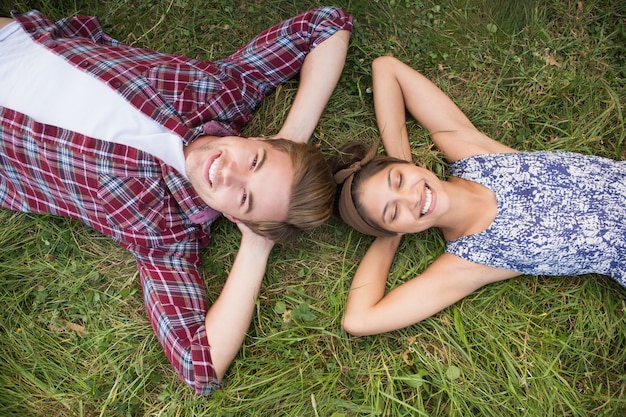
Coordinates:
(244, 197)
(400, 181)
(254, 161)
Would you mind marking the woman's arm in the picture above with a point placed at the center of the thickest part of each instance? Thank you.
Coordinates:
(396, 87)
(444, 282)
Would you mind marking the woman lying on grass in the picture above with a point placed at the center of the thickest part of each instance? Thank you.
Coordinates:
(503, 213)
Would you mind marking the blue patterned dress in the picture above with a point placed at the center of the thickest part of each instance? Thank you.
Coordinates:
(559, 213)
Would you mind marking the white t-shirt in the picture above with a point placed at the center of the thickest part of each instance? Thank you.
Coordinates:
(42, 85)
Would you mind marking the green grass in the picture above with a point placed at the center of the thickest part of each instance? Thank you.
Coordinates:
(74, 337)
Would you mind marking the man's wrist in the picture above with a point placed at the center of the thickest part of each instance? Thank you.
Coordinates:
(256, 243)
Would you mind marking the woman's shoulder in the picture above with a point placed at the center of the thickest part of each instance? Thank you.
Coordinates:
(457, 268)
(526, 159)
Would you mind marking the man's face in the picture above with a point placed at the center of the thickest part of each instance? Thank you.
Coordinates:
(245, 178)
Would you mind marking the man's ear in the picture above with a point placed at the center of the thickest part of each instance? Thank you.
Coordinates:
(231, 218)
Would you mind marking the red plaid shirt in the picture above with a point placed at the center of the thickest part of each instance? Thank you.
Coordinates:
(131, 196)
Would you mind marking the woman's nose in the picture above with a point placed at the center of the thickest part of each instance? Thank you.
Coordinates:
(409, 197)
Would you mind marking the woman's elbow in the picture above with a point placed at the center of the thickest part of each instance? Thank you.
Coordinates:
(355, 325)
(382, 64)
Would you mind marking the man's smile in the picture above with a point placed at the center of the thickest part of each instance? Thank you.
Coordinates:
(213, 167)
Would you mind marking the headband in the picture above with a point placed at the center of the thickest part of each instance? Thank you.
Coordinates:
(347, 210)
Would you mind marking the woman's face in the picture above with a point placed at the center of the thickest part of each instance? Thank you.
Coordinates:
(403, 198)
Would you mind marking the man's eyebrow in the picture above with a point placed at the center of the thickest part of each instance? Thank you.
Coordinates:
(261, 159)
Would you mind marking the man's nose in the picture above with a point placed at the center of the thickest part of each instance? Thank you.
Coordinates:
(234, 175)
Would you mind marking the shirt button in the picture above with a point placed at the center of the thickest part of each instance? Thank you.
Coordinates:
(84, 64)
(116, 83)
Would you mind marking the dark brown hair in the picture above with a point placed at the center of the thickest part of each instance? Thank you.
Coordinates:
(351, 212)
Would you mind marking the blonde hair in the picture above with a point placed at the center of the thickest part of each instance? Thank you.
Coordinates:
(312, 193)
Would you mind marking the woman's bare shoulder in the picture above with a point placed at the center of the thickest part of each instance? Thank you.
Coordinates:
(462, 270)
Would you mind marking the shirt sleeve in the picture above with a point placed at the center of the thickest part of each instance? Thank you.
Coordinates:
(176, 303)
(86, 27)
(270, 59)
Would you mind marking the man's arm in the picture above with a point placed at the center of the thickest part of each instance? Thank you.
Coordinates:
(319, 75)
(229, 317)
(199, 341)
(313, 46)
(176, 304)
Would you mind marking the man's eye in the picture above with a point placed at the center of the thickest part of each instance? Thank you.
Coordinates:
(244, 197)
(394, 213)
(400, 179)
(254, 161)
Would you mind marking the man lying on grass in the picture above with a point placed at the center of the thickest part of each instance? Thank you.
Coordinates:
(145, 148)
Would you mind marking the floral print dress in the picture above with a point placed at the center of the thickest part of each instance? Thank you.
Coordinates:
(559, 213)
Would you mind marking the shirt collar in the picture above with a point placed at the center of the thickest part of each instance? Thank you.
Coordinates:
(188, 200)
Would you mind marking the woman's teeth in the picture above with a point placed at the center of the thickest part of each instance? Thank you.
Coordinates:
(429, 200)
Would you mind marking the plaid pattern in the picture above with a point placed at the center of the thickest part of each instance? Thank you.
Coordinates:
(129, 195)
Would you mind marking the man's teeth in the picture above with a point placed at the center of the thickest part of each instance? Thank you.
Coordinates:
(429, 200)
(213, 171)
